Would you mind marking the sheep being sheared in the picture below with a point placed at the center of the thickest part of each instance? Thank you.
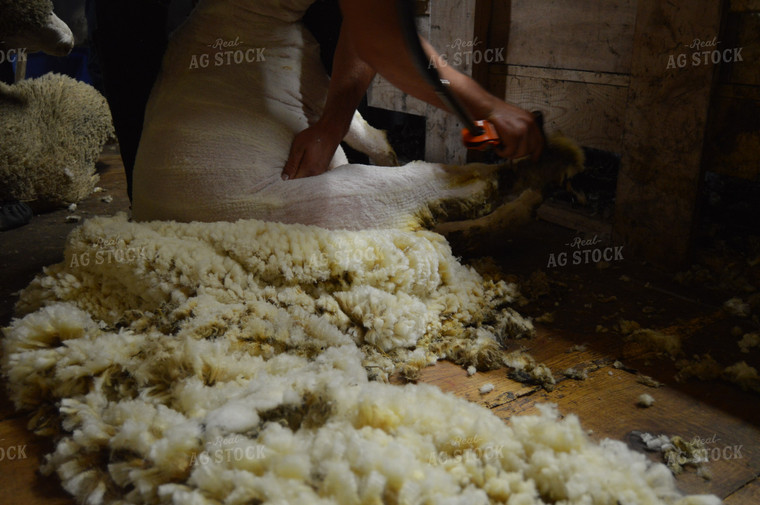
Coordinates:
(52, 130)
(239, 80)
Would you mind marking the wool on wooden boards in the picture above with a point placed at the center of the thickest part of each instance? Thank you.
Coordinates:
(260, 339)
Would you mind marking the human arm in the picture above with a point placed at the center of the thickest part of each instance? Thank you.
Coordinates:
(374, 31)
(313, 149)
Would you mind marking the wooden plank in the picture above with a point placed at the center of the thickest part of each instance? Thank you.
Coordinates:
(422, 7)
(574, 220)
(742, 34)
(492, 25)
(20, 481)
(732, 145)
(606, 404)
(745, 5)
(747, 494)
(590, 114)
(665, 123)
(384, 95)
(493, 20)
(577, 34)
(451, 27)
(560, 74)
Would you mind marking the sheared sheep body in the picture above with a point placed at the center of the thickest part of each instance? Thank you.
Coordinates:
(52, 131)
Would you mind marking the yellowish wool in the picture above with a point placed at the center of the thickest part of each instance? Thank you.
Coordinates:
(231, 363)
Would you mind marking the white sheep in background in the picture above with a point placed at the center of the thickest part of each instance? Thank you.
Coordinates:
(52, 129)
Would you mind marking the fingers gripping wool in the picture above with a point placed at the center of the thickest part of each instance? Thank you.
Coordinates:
(228, 363)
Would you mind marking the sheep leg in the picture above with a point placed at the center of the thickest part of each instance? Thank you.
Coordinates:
(521, 189)
(370, 141)
(506, 217)
(20, 70)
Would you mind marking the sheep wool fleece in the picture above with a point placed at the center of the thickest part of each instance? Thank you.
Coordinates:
(52, 131)
(232, 363)
(18, 16)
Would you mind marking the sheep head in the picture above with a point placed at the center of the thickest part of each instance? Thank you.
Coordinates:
(33, 25)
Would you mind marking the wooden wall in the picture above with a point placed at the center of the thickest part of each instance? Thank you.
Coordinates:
(733, 138)
(572, 59)
(601, 72)
(442, 23)
(665, 121)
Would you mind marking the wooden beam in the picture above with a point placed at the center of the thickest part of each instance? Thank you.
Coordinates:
(665, 123)
(732, 145)
(575, 34)
(745, 5)
(586, 106)
(452, 27)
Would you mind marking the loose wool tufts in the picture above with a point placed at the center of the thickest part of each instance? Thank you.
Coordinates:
(52, 130)
(232, 363)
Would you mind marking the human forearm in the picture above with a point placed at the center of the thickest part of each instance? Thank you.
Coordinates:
(374, 30)
(350, 80)
(313, 149)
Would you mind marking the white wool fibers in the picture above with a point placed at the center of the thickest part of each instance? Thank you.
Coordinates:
(232, 363)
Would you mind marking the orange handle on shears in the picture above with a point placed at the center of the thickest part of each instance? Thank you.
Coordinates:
(487, 139)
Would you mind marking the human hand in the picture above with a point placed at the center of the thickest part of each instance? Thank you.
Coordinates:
(311, 152)
(518, 131)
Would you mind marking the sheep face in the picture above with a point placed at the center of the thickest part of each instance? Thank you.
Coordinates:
(34, 26)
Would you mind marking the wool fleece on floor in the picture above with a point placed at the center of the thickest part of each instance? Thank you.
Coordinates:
(245, 363)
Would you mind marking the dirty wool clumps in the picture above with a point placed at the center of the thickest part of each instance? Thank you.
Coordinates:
(52, 131)
(677, 452)
(232, 363)
(645, 400)
(749, 341)
(706, 368)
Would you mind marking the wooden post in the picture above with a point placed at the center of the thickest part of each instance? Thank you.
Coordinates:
(451, 27)
(20, 69)
(665, 122)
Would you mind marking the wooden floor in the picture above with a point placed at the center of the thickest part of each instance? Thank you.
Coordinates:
(583, 301)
